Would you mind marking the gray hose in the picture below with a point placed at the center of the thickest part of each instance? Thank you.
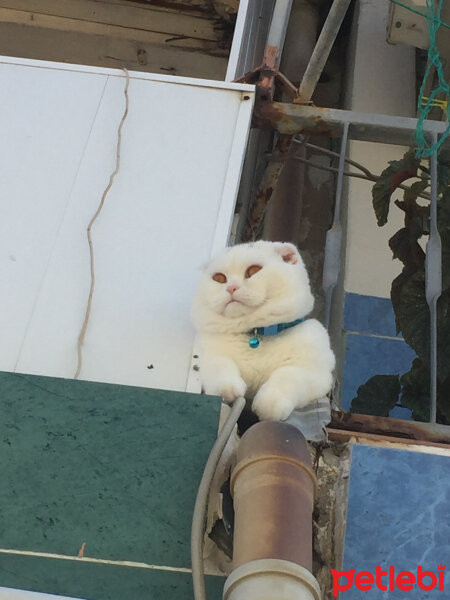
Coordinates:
(199, 517)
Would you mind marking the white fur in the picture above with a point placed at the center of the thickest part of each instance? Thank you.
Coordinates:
(288, 370)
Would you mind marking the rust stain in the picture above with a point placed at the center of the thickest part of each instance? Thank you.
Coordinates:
(289, 120)
(283, 118)
(267, 186)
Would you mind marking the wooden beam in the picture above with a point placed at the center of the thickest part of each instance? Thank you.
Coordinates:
(72, 47)
(119, 14)
(341, 436)
(64, 24)
(189, 6)
(411, 431)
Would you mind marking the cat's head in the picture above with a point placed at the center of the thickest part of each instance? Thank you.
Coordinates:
(252, 285)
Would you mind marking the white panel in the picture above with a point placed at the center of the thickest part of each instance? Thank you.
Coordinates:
(181, 157)
(406, 26)
(40, 156)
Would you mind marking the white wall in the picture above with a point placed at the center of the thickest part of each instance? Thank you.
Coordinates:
(381, 80)
(170, 206)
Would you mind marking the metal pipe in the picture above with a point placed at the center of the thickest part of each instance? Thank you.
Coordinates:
(291, 119)
(322, 50)
(278, 26)
(273, 489)
(333, 243)
(433, 279)
(265, 89)
(272, 52)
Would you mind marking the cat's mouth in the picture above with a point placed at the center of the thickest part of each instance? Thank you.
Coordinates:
(232, 304)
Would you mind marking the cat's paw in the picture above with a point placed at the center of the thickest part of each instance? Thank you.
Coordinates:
(231, 389)
(270, 405)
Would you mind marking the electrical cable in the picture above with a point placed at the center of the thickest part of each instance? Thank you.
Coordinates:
(201, 502)
(89, 228)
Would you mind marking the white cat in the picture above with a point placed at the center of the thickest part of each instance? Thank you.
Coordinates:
(251, 286)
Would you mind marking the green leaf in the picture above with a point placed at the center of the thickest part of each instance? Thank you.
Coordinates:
(415, 189)
(443, 402)
(397, 172)
(411, 310)
(416, 391)
(404, 246)
(412, 316)
(416, 394)
(377, 396)
(443, 335)
(444, 230)
(443, 169)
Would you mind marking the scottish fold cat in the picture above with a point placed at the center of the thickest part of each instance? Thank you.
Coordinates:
(255, 340)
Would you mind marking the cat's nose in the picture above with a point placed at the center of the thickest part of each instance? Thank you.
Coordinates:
(232, 288)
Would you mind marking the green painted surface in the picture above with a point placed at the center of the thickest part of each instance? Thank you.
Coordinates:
(100, 582)
(115, 467)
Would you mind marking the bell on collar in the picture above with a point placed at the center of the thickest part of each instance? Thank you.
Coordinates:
(253, 342)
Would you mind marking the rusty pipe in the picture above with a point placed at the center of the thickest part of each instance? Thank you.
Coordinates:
(273, 490)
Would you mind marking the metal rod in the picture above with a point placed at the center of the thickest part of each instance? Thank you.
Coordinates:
(272, 53)
(333, 242)
(291, 119)
(278, 26)
(433, 279)
(322, 50)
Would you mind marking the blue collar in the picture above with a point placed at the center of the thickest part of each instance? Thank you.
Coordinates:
(258, 332)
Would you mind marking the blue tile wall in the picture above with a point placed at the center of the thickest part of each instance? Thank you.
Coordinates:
(372, 346)
(367, 356)
(369, 314)
(398, 514)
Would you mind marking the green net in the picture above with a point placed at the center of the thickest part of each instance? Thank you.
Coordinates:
(440, 95)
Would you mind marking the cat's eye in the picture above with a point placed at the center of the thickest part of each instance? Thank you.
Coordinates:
(219, 277)
(252, 270)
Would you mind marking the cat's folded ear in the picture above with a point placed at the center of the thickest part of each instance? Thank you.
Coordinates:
(288, 252)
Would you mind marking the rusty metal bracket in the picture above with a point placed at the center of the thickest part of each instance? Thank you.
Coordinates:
(267, 75)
